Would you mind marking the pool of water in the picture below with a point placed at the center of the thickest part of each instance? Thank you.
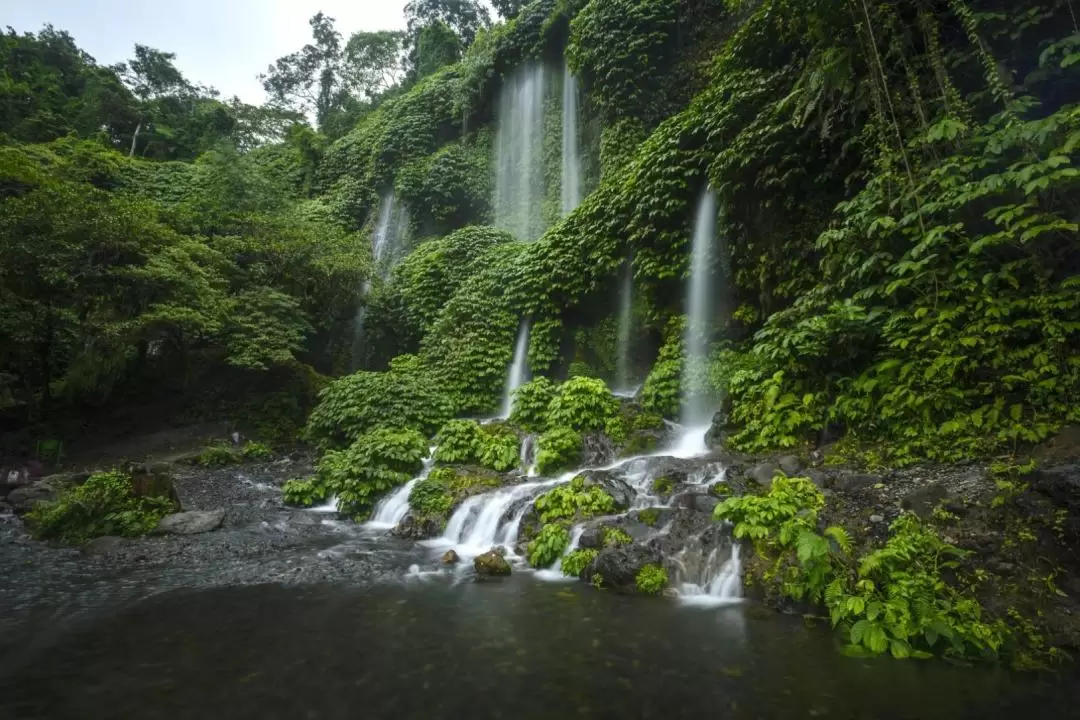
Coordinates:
(512, 649)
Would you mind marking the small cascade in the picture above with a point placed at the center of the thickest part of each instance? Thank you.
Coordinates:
(527, 459)
(518, 367)
(571, 153)
(709, 579)
(479, 523)
(388, 241)
(626, 321)
(696, 404)
(519, 151)
(393, 508)
(554, 573)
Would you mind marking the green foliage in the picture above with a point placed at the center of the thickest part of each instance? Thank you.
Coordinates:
(304, 493)
(575, 562)
(459, 441)
(104, 505)
(531, 402)
(651, 580)
(440, 491)
(574, 501)
(615, 536)
(355, 404)
(661, 393)
(501, 449)
(663, 485)
(583, 404)
(558, 449)
(649, 516)
(219, 454)
(256, 451)
(374, 464)
(891, 599)
(548, 546)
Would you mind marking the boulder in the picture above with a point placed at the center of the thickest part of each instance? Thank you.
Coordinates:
(1061, 483)
(192, 522)
(414, 528)
(923, 500)
(850, 481)
(614, 485)
(817, 477)
(763, 473)
(790, 464)
(491, 564)
(23, 499)
(705, 503)
(103, 545)
(717, 435)
(618, 566)
(450, 558)
(13, 479)
(597, 449)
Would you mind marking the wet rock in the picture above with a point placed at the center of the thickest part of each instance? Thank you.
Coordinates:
(717, 435)
(1060, 483)
(491, 564)
(414, 528)
(23, 499)
(850, 481)
(304, 519)
(877, 519)
(790, 464)
(618, 566)
(597, 449)
(817, 477)
(614, 485)
(450, 558)
(705, 503)
(13, 479)
(193, 522)
(923, 500)
(499, 550)
(763, 473)
(103, 545)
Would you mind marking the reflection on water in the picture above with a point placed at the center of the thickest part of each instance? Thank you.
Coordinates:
(515, 649)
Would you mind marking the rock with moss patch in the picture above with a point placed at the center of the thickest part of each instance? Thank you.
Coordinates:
(619, 566)
(418, 528)
(491, 564)
(450, 557)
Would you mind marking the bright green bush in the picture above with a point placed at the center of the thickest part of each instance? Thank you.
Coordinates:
(304, 493)
(354, 405)
(256, 451)
(218, 454)
(583, 404)
(558, 449)
(891, 599)
(531, 402)
(546, 547)
(575, 562)
(574, 501)
(649, 516)
(440, 491)
(374, 464)
(104, 505)
(661, 393)
(614, 536)
(501, 449)
(459, 441)
(651, 580)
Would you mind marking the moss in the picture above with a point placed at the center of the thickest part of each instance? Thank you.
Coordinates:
(663, 485)
(217, 455)
(651, 580)
(558, 449)
(649, 516)
(614, 536)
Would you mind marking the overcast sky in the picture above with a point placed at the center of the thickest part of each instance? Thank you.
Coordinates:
(223, 43)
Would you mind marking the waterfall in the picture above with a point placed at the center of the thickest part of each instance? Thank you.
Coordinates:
(479, 525)
(571, 154)
(387, 243)
(554, 572)
(518, 366)
(527, 459)
(626, 319)
(519, 143)
(393, 508)
(696, 403)
(719, 578)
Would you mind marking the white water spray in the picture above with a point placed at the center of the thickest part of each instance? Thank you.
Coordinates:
(696, 404)
(720, 578)
(393, 508)
(626, 319)
(518, 366)
(571, 154)
(519, 146)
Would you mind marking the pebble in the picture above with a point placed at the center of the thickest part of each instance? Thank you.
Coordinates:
(877, 519)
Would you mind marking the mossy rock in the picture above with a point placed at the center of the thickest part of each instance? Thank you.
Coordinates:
(491, 564)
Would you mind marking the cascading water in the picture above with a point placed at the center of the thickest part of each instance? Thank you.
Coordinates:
(387, 242)
(519, 144)
(709, 579)
(696, 405)
(571, 154)
(554, 573)
(395, 506)
(626, 319)
(518, 366)
(527, 458)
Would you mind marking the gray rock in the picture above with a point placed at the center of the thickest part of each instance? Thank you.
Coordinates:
(705, 503)
(790, 464)
(763, 473)
(305, 519)
(491, 564)
(193, 522)
(615, 486)
(597, 449)
(1060, 483)
(923, 501)
(847, 481)
(413, 528)
(618, 566)
(103, 545)
(23, 499)
(450, 558)
(816, 476)
(877, 519)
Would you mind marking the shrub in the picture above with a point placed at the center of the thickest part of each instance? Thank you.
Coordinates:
(459, 441)
(649, 516)
(256, 451)
(614, 536)
(432, 495)
(376, 463)
(304, 493)
(575, 562)
(531, 401)
(558, 449)
(651, 579)
(501, 448)
(104, 505)
(583, 404)
(546, 547)
(405, 397)
(663, 485)
(661, 393)
(217, 455)
(574, 501)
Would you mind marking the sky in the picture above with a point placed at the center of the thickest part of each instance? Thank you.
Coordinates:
(222, 43)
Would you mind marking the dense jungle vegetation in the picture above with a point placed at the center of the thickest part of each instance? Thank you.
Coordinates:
(896, 194)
